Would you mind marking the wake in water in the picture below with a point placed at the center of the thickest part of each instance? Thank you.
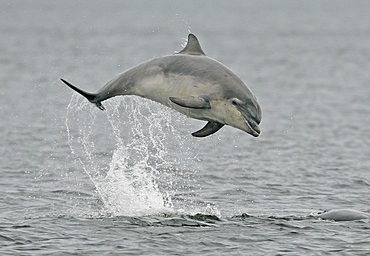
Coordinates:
(131, 154)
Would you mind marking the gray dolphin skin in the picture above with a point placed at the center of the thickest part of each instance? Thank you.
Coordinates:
(192, 84)
(343, 215)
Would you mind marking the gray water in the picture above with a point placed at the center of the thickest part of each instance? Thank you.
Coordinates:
(133, 181)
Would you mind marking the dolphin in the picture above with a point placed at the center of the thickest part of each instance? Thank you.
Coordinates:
(343, 215)
(190, 83)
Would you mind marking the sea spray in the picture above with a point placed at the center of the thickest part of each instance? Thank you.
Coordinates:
(130, 153)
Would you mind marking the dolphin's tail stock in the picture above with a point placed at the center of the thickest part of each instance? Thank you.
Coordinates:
(92, 97)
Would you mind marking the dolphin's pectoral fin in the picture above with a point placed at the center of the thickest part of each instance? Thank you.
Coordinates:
(191, 102)
(210, 128)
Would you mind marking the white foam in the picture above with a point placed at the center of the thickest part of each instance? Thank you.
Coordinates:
(128, 153)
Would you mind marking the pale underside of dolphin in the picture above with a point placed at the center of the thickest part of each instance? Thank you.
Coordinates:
(192, 84)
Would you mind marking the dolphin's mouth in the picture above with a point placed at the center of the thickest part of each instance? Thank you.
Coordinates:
(252, 127)
(251, 118)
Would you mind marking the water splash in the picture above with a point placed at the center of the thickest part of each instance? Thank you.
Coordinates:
(143, 173)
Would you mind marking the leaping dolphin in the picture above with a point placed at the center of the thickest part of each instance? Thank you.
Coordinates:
(191, 83)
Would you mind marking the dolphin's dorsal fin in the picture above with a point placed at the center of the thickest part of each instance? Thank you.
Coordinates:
(192, 46)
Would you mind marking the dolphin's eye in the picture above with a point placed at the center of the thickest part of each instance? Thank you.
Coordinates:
(234, 102)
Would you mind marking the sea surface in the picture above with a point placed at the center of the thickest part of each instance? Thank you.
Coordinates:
(133, 181)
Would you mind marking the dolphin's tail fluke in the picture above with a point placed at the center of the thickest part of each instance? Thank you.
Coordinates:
(92, 97)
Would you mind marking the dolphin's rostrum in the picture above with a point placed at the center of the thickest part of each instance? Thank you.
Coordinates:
(191, 83)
